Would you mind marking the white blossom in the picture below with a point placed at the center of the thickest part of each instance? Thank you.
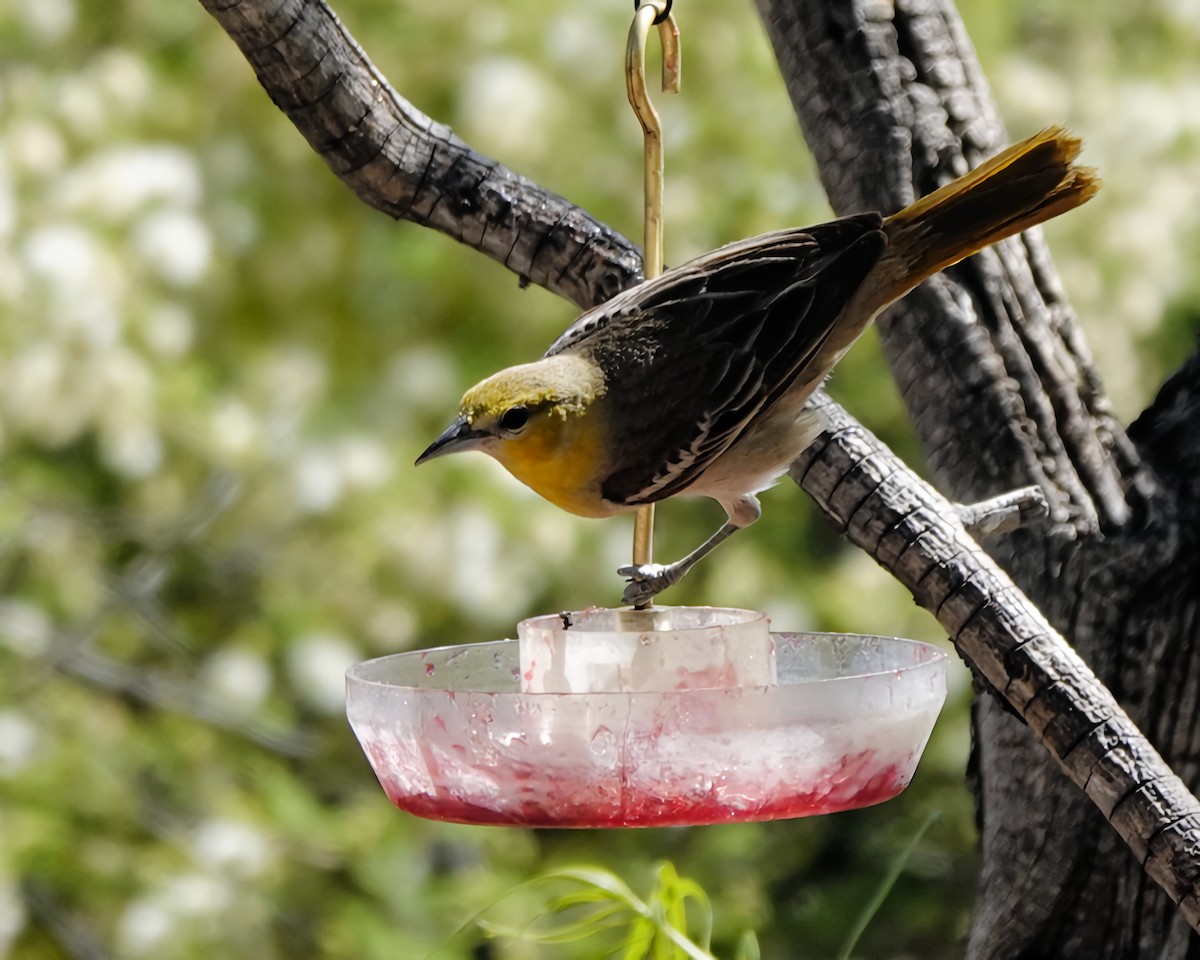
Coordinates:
(146, 927)
(12, 914)
(364, 463)
(174, 244)
(317, 665)
(118, 182)
(232, 847)
(124, 79)
(239, 679)
(391, 626)
(236, 433)
(317, 483)
(25, 627)
(50, 20)
(81, 107)
(132, 449)
(508, 105)
(169, 330)
(63, 255)
(35, 147)
(19, 742)
(148, 924)
(423, 380)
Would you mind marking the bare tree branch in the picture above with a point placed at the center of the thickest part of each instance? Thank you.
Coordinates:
(915, 534)
(399, 161)
(1017, 370)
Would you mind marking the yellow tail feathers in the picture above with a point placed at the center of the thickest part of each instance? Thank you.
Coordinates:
(1029, 183)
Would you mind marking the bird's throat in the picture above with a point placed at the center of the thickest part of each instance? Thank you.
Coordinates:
(563, 459)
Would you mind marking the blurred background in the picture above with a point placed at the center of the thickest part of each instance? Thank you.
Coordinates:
(216, 369)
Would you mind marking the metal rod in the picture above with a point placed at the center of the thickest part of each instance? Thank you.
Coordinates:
(647, 15)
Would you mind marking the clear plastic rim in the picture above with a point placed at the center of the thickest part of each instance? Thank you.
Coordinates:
(582, 622)
(927, 657)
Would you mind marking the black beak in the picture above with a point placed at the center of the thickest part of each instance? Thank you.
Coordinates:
(459, 437)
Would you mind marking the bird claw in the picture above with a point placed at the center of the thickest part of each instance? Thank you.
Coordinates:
(646, 581)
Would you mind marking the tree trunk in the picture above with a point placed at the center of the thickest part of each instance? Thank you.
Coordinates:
(1002, 392)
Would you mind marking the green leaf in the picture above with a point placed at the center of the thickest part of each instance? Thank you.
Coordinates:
(747, 948)
(885, 887)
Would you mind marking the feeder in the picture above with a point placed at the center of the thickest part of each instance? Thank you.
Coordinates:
(661, 717)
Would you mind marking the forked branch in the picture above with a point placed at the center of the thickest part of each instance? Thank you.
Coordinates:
(412, 168)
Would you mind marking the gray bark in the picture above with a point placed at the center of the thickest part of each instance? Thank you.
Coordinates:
(1003, 393)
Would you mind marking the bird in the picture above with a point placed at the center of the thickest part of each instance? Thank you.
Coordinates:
(695, 383)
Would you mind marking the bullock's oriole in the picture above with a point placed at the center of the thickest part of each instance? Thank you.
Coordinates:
(695, 382)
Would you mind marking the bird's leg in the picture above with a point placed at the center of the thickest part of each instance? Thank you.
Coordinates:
(648, 580)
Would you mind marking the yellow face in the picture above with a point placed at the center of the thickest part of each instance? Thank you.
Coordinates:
(539, 421)
(557, 453)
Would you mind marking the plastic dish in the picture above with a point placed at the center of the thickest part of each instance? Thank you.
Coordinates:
(451, 736)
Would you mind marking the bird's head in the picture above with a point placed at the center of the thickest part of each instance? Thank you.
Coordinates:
(524, 416)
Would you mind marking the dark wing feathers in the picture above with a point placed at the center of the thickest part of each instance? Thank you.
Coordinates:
(794, 247)
(692, 357)
(752, 373)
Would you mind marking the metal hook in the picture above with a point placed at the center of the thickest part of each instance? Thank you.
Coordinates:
(647, 14)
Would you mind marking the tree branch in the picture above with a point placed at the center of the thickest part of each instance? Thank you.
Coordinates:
(914, 533)
(881, 505)
(399, 161)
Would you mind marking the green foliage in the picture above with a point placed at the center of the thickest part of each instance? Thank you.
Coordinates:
(216, 368)
(885, 887)
(600, 912)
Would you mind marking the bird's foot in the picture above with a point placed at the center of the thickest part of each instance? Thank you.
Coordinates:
(648, 580)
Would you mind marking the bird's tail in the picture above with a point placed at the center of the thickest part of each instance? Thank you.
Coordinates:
(1027, 184)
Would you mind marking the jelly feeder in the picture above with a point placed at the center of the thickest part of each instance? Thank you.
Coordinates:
(661, 716)
(665, 716)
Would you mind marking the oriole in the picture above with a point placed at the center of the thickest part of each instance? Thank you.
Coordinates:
(695, 382)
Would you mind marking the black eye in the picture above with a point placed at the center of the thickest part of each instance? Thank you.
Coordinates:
(514, 419)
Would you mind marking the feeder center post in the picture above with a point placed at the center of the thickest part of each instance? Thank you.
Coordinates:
(647, 14)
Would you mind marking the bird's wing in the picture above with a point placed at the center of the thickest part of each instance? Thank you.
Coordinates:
(795, 244)
(692, 357)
